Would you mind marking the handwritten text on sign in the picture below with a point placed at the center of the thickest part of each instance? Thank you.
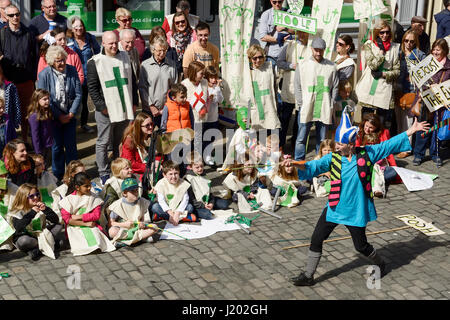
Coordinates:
(292, 21)
(423, 71)
(437, 96)
(421, 225)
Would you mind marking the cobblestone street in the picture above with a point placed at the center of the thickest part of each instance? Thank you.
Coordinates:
(235, 265)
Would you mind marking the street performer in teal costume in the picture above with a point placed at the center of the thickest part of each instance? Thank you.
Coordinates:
(351, 199)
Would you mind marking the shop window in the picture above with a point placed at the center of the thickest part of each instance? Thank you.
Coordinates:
(145, 13)
(85, 9)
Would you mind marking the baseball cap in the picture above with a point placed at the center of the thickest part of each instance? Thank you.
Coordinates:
(129, 184)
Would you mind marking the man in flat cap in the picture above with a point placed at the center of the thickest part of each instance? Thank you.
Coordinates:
(418, 25)
(316, 88)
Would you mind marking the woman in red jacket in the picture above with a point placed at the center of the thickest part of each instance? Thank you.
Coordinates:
(135, 142)
(372, 124)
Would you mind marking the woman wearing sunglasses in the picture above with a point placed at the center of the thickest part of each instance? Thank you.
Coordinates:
(124, 19)
(135, 142)
(264, 112)
(381, 65)
(344, 64)
(180, 36)
(410, 55)
(37, 226)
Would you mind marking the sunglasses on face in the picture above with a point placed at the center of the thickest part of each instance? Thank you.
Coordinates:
(14, 15)
(409, 41)
(180, 22)
(258, 58)
(34, 195)
(126, 20)
(277, 2)
(340, 44)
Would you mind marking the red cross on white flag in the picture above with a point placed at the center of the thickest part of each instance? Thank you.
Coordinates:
(197, 101)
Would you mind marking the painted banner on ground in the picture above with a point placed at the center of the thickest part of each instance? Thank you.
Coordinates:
(414, 181)
(293, 21)
(423, 71)
(327, 14)
(437, 96)
(236, 26)
(425, 227)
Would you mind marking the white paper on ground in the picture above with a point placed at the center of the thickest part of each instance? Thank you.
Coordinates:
(414, 181)
(205, 229)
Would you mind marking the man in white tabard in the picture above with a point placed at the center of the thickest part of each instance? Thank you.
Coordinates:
(293, 52)
(112, 87)
(182, 6)
(316, 88)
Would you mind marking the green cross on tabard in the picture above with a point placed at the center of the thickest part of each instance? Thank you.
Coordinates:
(373, 87)
(258, 100)
(118, 82)
(319, 89)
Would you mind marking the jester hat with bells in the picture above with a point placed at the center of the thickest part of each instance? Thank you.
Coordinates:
(345, 132)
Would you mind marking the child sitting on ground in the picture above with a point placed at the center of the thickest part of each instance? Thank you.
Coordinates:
(121, 170)
(37, 226)
(243, 182)
(7, 193)
(199, 192)
(127, 216)
(74, 167)
(321, 183)
(173, 199)
(80, 210)
(46, 181)
(286, 179)
(267, 157)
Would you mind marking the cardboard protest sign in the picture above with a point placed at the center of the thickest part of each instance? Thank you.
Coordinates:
(437, 96)
(423, 71)
(425, 227)
(293, 21)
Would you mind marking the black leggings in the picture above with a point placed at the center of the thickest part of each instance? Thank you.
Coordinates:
(324, 228)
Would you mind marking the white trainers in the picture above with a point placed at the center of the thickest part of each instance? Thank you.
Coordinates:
(209, 160)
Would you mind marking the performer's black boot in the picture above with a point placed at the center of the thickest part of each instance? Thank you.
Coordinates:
(377, 260)
(307, 278)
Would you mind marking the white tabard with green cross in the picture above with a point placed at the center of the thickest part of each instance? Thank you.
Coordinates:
(264, 110)
(295, 53)
(115, 74)
(317, 83)
(84, 240)
(373, 92)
